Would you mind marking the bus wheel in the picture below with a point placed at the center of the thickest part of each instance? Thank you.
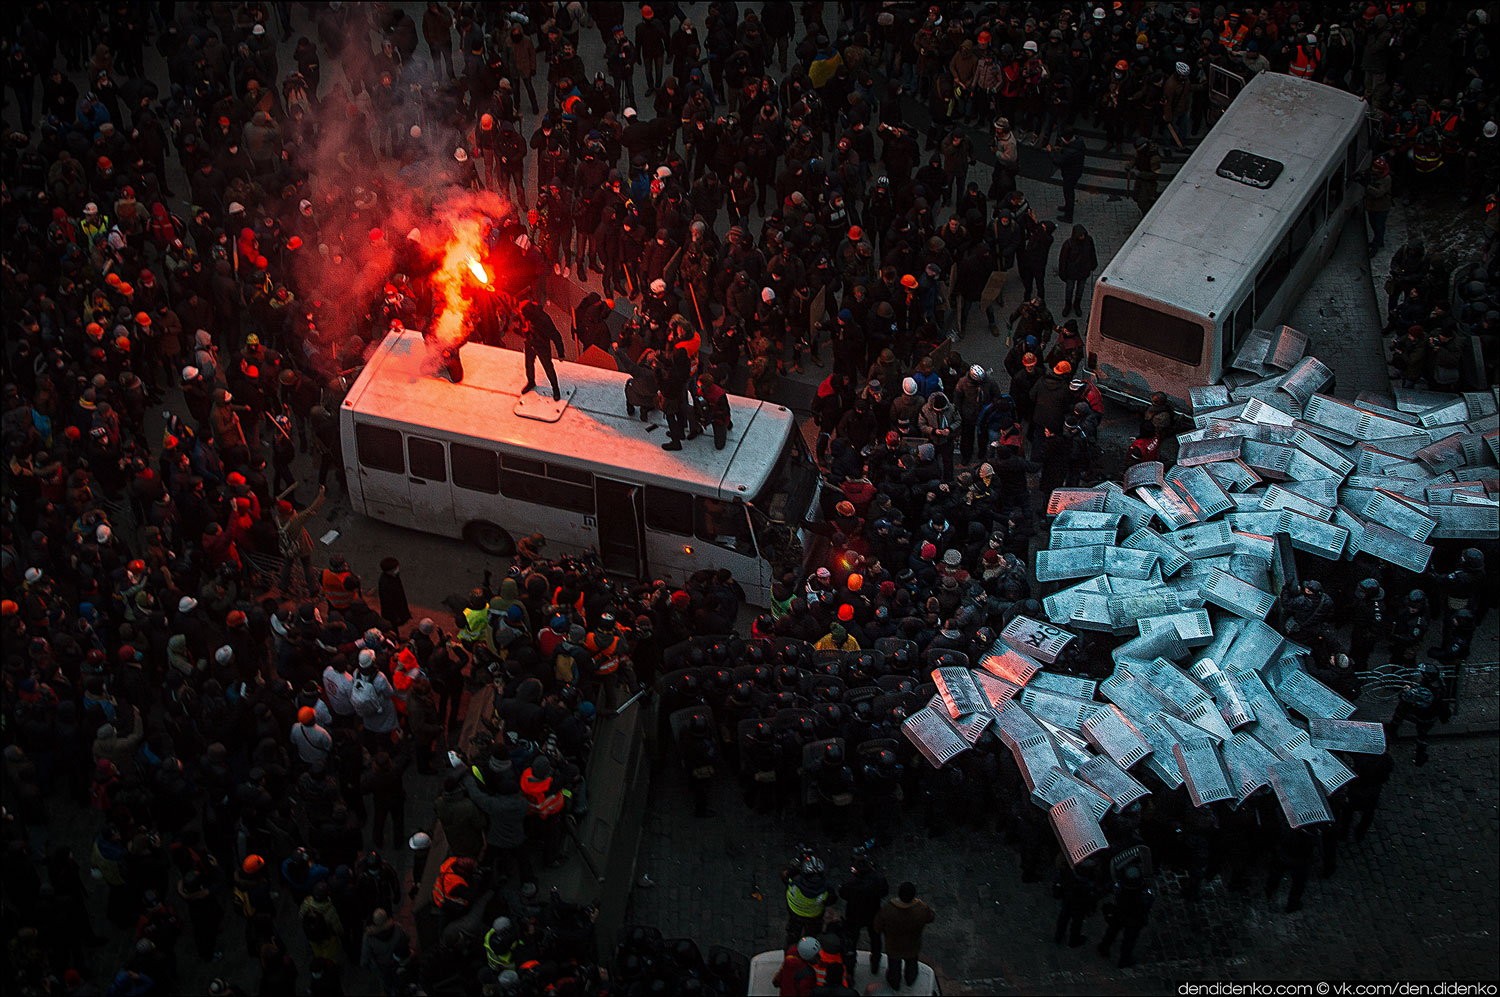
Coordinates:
(490, 538)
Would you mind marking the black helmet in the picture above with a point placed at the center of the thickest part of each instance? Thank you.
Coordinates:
(1370, 588)
(1472, 559)
(1313, 586)
(761, 675)
(1416, 597)
(833, 754)
(741, 692)
(788, 676)
(698, 724)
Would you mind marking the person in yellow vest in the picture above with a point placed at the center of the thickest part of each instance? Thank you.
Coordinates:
(474, 621)
(501, 945)
(807, 897)
(837, 639)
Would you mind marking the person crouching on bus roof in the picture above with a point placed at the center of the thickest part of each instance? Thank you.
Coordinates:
(712, 403)
(642, 388)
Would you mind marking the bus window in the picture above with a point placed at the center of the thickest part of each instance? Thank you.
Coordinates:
(1302, 232)
(561, 473)
(524, 465)
(379, 447)
(476, 469)
(1148, 329)
(1336, 189)
(427, 459)
(724, 524)
(669, 510)
(1237, 326)
(526, 481)
(1272, 275)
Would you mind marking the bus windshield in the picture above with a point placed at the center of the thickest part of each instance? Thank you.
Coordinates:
(785, 496)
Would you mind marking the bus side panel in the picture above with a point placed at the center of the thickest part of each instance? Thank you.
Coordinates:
(350, 458)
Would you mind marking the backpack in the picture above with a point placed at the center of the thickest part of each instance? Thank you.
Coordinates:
(365, 698)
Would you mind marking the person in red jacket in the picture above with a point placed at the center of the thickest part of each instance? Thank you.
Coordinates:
(801, 972)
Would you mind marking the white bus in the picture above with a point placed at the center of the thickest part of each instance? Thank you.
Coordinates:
(480, 461)
(1233, 240)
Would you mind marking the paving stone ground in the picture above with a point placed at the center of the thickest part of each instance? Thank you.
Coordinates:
(1417, 898)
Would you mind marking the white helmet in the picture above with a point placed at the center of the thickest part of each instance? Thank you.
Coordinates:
(808, 949)
(500, 925)
(976, 372)
(224, 655)
(767, 295)
(367, 658)
(658, 286)
(909, 385)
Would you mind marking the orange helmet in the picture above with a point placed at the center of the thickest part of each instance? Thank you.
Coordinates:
(252, 864)
(486, 121)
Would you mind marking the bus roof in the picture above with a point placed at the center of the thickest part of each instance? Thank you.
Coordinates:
(397, 388)
(1188, 236)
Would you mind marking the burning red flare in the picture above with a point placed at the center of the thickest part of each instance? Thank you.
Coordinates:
(477, 269)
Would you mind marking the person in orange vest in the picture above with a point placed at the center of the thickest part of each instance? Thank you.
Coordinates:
(454, 888)
(544, 808)
(1306, 58)
(335, 584)
(831, 967)
(404, 671)
(1233, 32)
(607, 647)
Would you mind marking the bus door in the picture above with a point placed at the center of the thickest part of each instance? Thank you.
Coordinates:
(622, 537)
(381, 482)
(427, 483)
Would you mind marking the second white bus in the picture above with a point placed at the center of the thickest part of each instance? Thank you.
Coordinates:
(1233, 240)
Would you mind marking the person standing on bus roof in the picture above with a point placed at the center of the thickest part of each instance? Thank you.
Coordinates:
(674, 395)
(541, 335)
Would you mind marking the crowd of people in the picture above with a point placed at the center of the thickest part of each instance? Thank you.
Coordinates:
(221, 229)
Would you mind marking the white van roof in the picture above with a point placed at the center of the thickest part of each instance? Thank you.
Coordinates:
(398, 388)
(1183, 251)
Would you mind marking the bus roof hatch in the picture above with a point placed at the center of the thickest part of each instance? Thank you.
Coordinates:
(534, 405)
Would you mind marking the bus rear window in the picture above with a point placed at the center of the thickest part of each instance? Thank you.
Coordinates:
(1148, 329)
